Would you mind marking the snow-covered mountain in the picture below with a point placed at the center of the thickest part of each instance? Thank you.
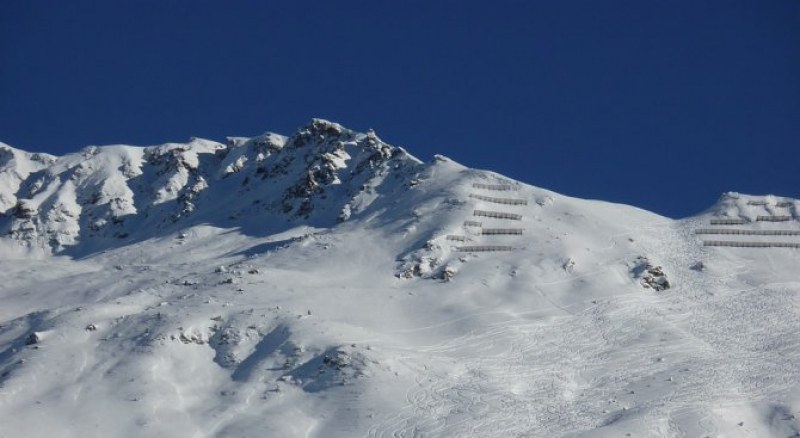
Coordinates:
(115, 195)
(328, 284)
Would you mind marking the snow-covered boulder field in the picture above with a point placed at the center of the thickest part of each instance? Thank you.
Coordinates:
(328, 284)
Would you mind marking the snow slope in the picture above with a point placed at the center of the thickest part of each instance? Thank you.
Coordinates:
(328, 284)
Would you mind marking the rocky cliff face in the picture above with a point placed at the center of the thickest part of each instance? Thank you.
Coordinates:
(322, 174)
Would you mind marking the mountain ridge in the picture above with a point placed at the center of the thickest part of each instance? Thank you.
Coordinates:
(369, 294)
(93, 193)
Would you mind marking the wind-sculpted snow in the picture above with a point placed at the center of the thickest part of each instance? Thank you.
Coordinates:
(327, 284)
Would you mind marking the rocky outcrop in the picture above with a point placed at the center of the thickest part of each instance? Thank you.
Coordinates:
(650, 276)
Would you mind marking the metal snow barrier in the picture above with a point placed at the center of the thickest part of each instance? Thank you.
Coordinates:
(506, 201)
(784, 204)
(484, 248)
(747, 232)
(501, 231)
(498, 187)
(756, 202)
(729, 221)
(458, 238)
(751, 244)
(472, 224)
(498, 215)
(773, 218)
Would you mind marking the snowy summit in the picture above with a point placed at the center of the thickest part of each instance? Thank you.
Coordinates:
(328, 284)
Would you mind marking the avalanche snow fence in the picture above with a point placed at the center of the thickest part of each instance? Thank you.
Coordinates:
(484, 248)
(773, 218)
(501, 231)
(751, 244)
(729, 221)
(497, 187)
(739, 231)
(498, 215)
(506, 201)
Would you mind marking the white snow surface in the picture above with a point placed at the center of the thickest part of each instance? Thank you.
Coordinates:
(318, 285)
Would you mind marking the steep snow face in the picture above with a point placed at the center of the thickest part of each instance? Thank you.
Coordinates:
(327, 284)
(111, 196)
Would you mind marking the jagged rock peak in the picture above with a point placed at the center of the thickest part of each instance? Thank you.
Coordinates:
(320, 131)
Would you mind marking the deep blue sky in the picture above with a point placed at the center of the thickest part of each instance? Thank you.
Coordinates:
(655, 103)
